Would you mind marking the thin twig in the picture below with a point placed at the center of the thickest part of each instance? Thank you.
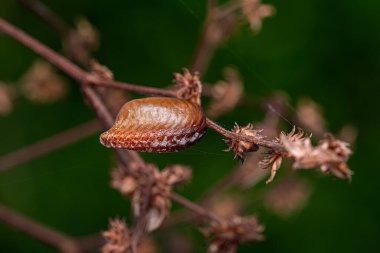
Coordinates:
(48, 145)
(196, 208)
(231, 135)
(73, 70)
(47, 16)
(43, 233)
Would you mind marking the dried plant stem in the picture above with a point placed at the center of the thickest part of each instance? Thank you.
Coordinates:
(48, 145)
(197, 209)
(73, 70)
(231, 135)
(206, 46)
(45, 234)
(46, 15)
(85, 78)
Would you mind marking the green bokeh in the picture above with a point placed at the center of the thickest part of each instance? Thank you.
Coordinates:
(327, 50)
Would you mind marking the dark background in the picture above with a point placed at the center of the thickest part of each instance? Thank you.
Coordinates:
(326, 50)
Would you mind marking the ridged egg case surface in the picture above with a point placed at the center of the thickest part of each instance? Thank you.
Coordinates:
(156, 124)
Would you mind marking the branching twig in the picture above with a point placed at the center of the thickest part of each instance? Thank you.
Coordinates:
(45, 234)
(48, 145)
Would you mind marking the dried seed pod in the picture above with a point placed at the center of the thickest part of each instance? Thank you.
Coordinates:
(156, 124)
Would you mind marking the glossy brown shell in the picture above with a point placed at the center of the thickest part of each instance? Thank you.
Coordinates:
(156, 124)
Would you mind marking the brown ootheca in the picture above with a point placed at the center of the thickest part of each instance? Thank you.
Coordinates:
(156, 124)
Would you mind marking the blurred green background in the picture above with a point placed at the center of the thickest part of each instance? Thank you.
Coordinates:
(326, 50)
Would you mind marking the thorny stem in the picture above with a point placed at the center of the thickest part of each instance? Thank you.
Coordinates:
(231, 135)
(45, 234)
(48, 145)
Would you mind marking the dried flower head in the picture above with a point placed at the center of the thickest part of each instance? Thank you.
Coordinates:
(88, 34)
(310, 116)
(240, 148)
(41, 84)
(288, 197)
(189, 86)
(226, 207)
(330, 155)
(228, 234)
(146, 245)
(6, 99)
(81, 42)
(101, 71)
(334, 154)
(255, 12)
(274, 159)
(117, 237)
(226, 94)
(150, 193)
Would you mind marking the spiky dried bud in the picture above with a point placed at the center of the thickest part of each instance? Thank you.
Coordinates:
(274, 158)
(150, 192)
(6, 99)
(271, 159)
(330, 155)
(117, 237)
(288, 197)
(177, 174)
(41, 84)
(127, 185)
(240, 148)
(226, 94)
(338, 167)
(228, 234)
(255, 12)
(189, 86)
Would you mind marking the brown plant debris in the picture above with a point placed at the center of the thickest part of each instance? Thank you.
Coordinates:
(117, 237)
(81, 42)
(189, 86)
(158, 204)
(288, 197)
(225, 94)
(240, 148)
(255, 12)
(226, 207)
(330, 155)
(101, 71)
(41, 84)
(6, 99)
(227, 235)
(310, 116)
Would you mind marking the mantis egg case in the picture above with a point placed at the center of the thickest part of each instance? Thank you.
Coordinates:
(156, 124)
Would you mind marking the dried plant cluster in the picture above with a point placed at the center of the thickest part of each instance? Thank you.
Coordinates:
(219, 216)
